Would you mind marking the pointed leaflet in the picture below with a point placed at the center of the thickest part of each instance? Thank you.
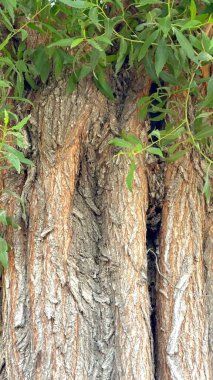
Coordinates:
(3, 253)
(131, 138)
(206, 131)
(15, 162)
(102, 84)
(121, 55)
(150, 39)
(161, 56)
(3, 217)
(121, 143)
(77, 4)
(185, 44)
(21, 123)
(130, 175)
(155, 151)
(193, 9)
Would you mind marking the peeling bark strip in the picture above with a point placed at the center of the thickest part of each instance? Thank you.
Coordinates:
(183, 352)
(76, 302)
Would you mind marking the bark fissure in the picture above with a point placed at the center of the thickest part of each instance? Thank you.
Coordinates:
(104, 283)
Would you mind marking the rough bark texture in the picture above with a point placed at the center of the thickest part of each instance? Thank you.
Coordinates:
(181, 299)
(76, 295)
(76, 278)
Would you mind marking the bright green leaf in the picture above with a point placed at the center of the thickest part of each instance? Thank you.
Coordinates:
(130, 176)
(121, 143)
(193, 9)
(14, 161)
(21, 123)
(3, 253)
(77, 4)
(155, 151)
(121, 55)
(3, 217)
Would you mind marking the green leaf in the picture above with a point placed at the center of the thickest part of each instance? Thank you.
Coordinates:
(138, 148)
(18, 154)
(121, 55)
(11, 222)
(150, 39)
(121, 143)
(42, 63)
(93, 15)
(193, 9)
(207, 131)
(130, 176)
(21, 123)
(185, 44)
(146, 2)
(119, 4)
(77, 4)
(204, 115)
(58, 63)
(3, 253)
(102, 84)
(3, 217)
(103, 38)
(71, 84)
(24, 34)
(150, 67)
(165, 25)
(155, 151)
(94, 44)
(15, 162)
(204, 57)
(206, 188)
(210, 87)
(130, 138)
(84, 71)
(191, 24)
(6, 118)
(155, 133)
(176, 156)
(5, 42)
(161, 56)
(76, 42)
(64, 42)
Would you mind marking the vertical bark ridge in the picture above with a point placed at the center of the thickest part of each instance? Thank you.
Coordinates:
(125, 245)
(68, 314)
(183, 352)
(208, 257)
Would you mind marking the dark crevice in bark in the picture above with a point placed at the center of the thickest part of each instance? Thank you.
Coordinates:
(152, 257)
(155, 175)
(121, 86)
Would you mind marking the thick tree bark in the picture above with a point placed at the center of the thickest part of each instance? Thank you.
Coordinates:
(181, 302)
(76, 299)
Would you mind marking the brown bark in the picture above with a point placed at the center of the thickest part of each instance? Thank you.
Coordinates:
(75, 284)
(181, 301)
(76, 299)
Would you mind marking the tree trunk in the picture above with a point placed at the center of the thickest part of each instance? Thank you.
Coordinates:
(81, 296)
